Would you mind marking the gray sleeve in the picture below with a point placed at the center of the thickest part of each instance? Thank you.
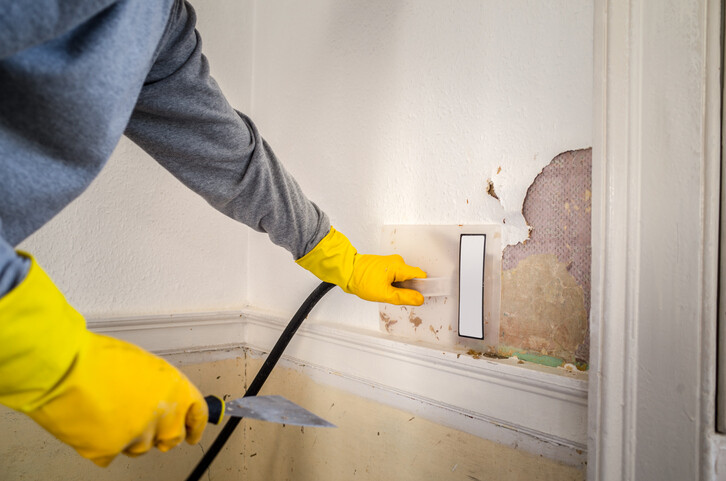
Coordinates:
(183, 120)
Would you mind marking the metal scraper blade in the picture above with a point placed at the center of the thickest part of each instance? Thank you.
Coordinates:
(275, 409)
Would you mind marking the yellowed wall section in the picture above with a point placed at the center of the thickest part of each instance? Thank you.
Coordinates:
(372, 442)
(376, 442)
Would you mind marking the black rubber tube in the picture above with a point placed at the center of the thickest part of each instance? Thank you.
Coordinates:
(261, 376)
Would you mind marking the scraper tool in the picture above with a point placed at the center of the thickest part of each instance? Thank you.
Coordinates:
(275, 409)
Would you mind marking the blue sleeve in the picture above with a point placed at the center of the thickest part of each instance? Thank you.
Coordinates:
(13, 268)
(26, 24)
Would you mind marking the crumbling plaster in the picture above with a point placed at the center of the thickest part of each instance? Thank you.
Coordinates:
(546, 279)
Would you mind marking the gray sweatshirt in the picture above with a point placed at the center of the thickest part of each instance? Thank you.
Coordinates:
(75, 76)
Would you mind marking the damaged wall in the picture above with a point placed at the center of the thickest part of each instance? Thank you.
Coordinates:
(546, 278)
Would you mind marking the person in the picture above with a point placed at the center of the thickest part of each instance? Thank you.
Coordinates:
(75, 77)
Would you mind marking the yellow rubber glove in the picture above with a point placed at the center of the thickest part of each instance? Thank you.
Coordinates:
(100, 395)
(369, 277)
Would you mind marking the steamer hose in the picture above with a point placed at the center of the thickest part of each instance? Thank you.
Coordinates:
(262, 376)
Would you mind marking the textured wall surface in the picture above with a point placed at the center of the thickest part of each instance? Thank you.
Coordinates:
(546, 279)
(398, 113)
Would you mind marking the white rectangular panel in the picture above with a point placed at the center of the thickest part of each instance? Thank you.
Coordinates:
(472, 248)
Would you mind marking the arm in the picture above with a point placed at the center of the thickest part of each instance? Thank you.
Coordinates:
(183, 120)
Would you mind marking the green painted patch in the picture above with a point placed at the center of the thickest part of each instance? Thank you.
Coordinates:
(539, 359)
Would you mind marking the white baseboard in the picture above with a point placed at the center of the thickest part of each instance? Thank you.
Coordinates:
(535, 411)
(175, 333)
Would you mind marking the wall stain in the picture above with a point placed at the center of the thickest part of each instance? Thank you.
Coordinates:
(490, 189)
(414, 319)
(387, 321)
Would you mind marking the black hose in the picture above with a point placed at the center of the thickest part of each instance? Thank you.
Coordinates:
(262, 376)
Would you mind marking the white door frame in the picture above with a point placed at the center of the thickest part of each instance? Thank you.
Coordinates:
(656, 168)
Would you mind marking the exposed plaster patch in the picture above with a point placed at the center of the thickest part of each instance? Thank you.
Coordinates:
(543, 308)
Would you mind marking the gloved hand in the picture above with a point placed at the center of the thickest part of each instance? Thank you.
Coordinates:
(369, 277)
(100, 395)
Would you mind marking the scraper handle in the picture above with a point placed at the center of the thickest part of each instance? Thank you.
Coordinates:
(216, 409)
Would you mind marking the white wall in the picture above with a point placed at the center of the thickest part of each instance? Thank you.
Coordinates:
(137, 241)
(398, 113)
